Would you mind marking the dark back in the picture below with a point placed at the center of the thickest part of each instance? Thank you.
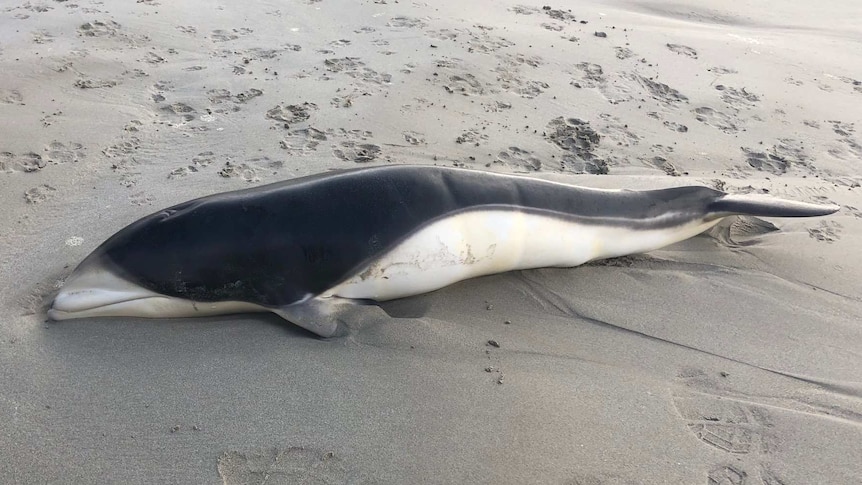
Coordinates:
(276, 244)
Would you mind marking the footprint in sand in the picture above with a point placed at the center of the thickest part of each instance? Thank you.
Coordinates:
(11, 96)
(228, 35)
(98, 28)
(659, 91)
(351, 151)
(591, 76)
(26, 162)
(252, 170)
(282, 466)
(39, 194)
(405, 22)
(664, 165)
(623, 53)
(683, 50)
(519, 159)
(472, 137)
(302, 141)
(736, 428)
(464, 84)
(292, 113)
(414, 138)
(826, 231)
(716, 119)
(737, 98)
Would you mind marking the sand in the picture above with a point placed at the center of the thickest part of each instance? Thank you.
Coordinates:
(734, 357)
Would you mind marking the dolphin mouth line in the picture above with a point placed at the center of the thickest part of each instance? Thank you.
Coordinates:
(95, 310)
(65, 309)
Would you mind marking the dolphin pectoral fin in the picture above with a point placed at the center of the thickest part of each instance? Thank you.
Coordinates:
(329, 316)
(317, 315)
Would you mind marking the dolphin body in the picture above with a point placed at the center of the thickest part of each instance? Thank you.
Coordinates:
(311, 248)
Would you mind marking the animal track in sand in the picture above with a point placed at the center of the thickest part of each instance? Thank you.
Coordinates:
(465, 84)
(292, 113)
(199, 161)
(659, 91)
(90, 83)
(351, 151)
(405, 22)
(524, 9)
(11, 96)
(674, 126)
(716, 119)
(184, 111)
(509, 74)
(616, 131)
(857, 85)
(302, 141)
(252, 170)
(442, 34)
(153, 58)
(623, 53)
(98, 28)
(485, 43)
(220, 96)
(722, 70)
(122, 149)
(141, 198)
(592, 76)
(220, 35)
(737, 98)
(826, 231)
(663, 164)
(779, 158)
(42, 37)
(572, 164)
(553, 27)
(519, 159)
(57, 152)
(356, 69)
(573, 135)
(850, 149)
(281, 466)
(414, 138)
(682, 50)
(767, 162)
(512, 82)
(39, 194)
(26, 162)
(472, 137)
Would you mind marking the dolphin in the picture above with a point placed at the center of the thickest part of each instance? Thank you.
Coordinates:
(312, 248)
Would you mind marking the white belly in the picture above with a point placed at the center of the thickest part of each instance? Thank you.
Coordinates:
(478, 243)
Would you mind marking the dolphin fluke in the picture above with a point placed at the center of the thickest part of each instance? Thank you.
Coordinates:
(766, 206)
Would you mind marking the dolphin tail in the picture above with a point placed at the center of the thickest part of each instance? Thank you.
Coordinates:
(765, 206)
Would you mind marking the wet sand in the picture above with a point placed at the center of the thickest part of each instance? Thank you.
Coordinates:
(731, 358)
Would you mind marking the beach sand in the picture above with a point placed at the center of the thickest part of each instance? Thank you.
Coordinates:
(732, 358)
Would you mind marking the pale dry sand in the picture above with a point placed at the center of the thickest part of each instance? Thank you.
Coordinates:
(735, 357)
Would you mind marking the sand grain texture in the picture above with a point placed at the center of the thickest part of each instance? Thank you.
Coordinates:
(732, 358)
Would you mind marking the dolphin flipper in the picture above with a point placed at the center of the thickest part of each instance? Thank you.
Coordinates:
(330, 316)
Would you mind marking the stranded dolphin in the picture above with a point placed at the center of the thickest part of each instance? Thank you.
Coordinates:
(307, 249)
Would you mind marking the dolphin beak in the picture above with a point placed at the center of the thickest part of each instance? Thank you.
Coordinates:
(93, 291)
